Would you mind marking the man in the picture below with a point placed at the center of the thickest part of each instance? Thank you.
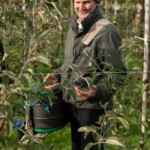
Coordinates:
(82, 53)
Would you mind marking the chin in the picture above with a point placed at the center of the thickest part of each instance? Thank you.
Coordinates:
(82, 17)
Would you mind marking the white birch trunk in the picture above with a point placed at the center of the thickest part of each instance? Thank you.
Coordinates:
(145, 71)
(24, 7)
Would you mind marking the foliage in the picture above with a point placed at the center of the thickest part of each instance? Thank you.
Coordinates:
(33, 35)
(33, 39)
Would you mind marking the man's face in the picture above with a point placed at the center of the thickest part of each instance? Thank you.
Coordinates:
(83, 8)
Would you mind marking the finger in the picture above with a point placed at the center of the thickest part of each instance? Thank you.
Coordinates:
(79, 91)
(85, 94)
(94, 87)
(76, 88)
(47, 86)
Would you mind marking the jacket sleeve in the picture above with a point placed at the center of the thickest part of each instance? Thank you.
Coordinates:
(111, 67)
(58, 73)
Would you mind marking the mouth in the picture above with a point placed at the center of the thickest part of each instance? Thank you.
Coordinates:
(83, 12)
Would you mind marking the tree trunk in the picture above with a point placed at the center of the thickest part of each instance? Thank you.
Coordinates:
(106, 8)
(71, 7)
(126, 14)
(60, 3)
(145, 72)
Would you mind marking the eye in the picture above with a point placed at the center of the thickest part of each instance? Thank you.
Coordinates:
(76, 2)
(87, 2)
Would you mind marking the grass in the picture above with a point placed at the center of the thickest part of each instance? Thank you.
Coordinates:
(58, 140)
(61, 140)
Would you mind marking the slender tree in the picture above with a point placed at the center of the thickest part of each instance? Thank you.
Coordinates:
(145, 72)
(126, 14)
(106, 7)
(71, 7)
(60, 3)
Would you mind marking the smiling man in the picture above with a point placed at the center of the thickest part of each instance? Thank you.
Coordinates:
(92, 42)
(83, 9)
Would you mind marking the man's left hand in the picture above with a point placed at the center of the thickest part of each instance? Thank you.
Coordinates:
(85, 95)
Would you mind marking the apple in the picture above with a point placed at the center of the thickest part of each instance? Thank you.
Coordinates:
(39, 27)
(46, 46)
(35, 13)
(40, 8)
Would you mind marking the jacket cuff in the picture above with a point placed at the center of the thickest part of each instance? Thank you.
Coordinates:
(57, 74)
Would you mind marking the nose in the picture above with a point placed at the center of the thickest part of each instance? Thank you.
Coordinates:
(81, 6)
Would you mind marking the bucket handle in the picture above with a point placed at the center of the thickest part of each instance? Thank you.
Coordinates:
(47, 108)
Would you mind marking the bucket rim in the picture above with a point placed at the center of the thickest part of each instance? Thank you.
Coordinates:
(36, 92)
(39, 130)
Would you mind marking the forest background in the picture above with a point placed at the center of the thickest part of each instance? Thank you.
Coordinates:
(33, 35)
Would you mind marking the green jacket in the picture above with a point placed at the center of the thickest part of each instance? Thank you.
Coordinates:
(90, 62)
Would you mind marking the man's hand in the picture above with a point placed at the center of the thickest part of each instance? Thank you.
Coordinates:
(85, 95)
(52, 78)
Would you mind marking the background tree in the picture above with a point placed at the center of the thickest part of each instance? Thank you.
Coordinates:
(145, 72)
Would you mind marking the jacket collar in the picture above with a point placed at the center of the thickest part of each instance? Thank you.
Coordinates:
(87, 22)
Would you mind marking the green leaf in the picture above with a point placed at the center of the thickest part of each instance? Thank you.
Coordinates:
(42, 16)
(28, 41)
(27, 80)
(72, 94)
(107, 128)
(17, 90)
(66, 83)
(30, 71)
(87, 129)
(2, 86)
(88, 81)
(51, 96)
(124, 122)
(9, 74)
(7, 108)
(75, 69)
(25, 140)
(19, 34)
(42, 35)
(114, 141)
(54, 5)
(42, 59)
(89, 146)
(31, 4)
(5, 80)
(39, 76)
(86, 52)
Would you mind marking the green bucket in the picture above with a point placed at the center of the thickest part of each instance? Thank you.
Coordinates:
(44, 116)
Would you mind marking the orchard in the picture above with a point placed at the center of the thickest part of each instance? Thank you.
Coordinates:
(33, 33)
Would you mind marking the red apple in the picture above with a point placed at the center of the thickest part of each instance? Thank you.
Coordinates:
(35, 13)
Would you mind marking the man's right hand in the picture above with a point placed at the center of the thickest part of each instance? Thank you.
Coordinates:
(52, 78)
